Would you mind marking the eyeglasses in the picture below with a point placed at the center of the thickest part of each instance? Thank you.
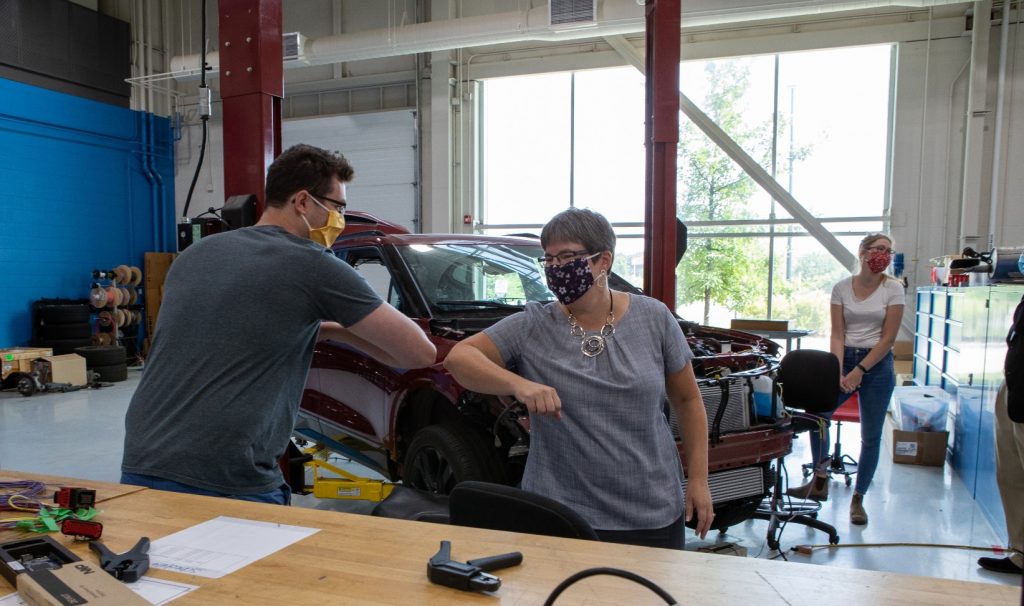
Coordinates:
(881, 249)
(562, 258)
(339, 205)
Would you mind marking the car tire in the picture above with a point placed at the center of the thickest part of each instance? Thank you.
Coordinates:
(440, 456)
(72, 313)
(102, 355)
(66, 331)
(111, 374)
(64, 346)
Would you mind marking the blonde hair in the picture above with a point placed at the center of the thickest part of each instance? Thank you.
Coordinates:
(867, 241)
(871, 238)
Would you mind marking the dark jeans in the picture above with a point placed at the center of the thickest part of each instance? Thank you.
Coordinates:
(670, 537)
(875, 391)
(280, 496)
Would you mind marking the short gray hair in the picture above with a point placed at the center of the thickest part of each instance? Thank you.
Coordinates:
(582, 225)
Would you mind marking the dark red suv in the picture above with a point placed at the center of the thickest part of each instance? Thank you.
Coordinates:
(421, 427)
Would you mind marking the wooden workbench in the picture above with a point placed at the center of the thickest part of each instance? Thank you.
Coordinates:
(357, 559)
(105, 491)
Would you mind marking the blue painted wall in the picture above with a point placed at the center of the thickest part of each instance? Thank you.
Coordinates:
(83, 185)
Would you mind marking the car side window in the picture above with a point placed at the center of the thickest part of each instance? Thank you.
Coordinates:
(377, 275)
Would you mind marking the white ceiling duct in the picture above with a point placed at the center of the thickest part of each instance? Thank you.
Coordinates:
(614, 17)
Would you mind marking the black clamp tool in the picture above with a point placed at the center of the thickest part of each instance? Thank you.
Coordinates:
(471, 575)
(126, 567)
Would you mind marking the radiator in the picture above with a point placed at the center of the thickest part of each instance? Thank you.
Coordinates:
(737, 413)
(739, 483)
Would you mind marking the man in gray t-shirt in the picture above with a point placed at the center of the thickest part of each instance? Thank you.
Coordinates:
(240, 315)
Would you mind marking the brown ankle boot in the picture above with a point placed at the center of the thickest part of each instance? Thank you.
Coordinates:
(816, 489)
(857, 514)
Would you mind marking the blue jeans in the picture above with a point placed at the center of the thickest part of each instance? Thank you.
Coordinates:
(875, 391)
(280, 496)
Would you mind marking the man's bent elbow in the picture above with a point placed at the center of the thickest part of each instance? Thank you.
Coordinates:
(421, 356)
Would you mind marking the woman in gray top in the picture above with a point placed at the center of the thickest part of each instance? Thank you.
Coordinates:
(594, 370)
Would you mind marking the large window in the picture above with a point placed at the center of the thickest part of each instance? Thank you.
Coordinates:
(817, 121)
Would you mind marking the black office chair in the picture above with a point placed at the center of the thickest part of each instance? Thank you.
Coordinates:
(500, 507)
(808, 381)
(405, 503)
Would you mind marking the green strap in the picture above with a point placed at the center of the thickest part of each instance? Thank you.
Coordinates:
(49, 519)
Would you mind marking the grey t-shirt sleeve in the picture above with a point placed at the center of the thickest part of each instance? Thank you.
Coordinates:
(343, 295)
(675, 350)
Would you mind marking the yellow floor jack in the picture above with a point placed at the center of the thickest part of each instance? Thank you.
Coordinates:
(344, 484)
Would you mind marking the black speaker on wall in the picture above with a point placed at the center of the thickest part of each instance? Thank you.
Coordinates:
(66, 47)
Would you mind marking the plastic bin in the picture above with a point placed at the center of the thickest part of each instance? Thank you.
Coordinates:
(921, 408)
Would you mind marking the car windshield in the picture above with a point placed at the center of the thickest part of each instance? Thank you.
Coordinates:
(460, 277)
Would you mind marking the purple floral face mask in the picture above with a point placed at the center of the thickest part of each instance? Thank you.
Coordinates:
(571, 280)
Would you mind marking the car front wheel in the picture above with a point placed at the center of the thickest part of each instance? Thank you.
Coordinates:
(440, 456)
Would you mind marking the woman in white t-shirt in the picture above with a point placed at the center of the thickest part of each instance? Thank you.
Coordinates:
(866, 312)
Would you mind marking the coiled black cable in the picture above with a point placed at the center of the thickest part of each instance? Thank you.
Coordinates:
(589, 572)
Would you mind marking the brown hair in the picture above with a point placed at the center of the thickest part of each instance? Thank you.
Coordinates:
(304, 167)
(589, 228)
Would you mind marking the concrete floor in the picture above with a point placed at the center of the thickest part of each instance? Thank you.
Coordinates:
(80, 434)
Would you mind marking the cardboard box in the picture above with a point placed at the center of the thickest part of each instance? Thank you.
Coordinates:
(76, 583)
(755, 325)
(67, 368)
(903, 350)
(903, 367)
(155, 272)
(19, 359)
(919, 447)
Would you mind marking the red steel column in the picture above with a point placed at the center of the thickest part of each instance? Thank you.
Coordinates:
(251, 87)
(662, 134)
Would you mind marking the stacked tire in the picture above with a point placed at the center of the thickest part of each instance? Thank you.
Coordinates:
(62, 327)
(108, 361)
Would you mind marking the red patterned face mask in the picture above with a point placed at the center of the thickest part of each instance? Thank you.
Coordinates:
(878, 261)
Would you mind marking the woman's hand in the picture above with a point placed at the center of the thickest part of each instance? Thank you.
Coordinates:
(851, 382)
(698, 500)
(539, 399)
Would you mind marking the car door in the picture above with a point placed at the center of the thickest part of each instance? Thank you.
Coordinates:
(356, 392)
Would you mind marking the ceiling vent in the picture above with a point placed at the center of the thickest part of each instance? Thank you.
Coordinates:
(294, 49)
(573, 13)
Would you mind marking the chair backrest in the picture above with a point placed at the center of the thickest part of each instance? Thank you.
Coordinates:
(810, 380)
(500, 507)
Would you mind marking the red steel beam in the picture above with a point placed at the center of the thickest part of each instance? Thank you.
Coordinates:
(662, 134)
(251, 87)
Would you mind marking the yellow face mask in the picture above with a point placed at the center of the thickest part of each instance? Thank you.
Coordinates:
(327, 234)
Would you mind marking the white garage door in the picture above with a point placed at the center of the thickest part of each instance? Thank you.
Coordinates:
(382, 149)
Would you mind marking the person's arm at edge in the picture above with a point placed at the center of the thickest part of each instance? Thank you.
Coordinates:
(837, 340)
(477, 365)
(685, 397)
(388, 336)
